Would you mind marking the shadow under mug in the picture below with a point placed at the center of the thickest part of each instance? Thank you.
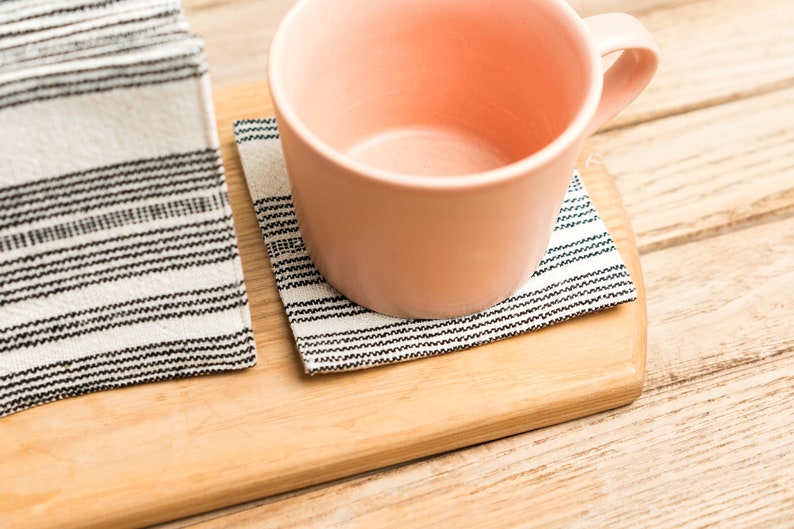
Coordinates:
(429, 144)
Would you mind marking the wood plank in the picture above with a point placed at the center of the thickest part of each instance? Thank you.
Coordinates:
(720, 303)
(692, 175)
(711, 441)
(151, 452)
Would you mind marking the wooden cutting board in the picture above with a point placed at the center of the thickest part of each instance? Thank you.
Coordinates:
(160, 451)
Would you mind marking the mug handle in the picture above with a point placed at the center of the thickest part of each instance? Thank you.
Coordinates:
(631, 72)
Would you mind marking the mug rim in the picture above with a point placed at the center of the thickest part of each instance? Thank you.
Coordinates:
(573, 132)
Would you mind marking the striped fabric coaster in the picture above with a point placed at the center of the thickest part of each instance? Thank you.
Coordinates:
(118, 257)
(581, 272)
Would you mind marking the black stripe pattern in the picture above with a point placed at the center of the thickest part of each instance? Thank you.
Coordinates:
(124, 268)
(581, 272)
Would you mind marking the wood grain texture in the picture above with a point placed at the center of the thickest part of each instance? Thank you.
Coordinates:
(154, 452)
(729, 307)
(681, 177)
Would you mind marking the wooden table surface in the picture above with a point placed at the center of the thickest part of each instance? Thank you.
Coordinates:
(704, 160)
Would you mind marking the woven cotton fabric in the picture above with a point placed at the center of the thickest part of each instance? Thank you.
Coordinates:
(581, 272)
(118, 258)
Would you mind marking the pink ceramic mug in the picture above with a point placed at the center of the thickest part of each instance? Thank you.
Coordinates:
(430, 143)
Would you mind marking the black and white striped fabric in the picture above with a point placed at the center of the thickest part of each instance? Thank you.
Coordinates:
(581, 272)
(118, 258)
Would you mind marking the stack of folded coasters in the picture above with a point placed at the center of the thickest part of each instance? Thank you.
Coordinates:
(581, 272)
(118, 258)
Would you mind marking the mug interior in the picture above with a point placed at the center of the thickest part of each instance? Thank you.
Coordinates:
(436, 88)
